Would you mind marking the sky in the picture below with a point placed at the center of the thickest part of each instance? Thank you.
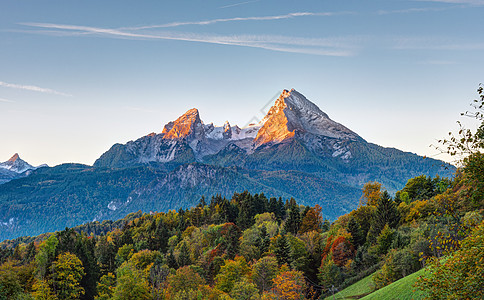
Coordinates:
(77, 77)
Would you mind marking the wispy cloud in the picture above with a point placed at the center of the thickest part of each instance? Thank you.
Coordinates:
(238, 4)
(32, 88)
(317, 46)
(238, 19)
(6, 100)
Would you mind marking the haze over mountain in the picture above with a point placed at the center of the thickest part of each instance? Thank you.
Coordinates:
(295, 151)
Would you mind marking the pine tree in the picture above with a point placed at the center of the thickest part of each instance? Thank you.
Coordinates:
(184, 257)
(29, 253)
(357, 238)
(293, 222)
(282, 250)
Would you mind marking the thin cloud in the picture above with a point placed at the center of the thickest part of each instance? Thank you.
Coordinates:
(208, 22)
(329, 47)
(6, 100)
(32, 88)
(238, 4)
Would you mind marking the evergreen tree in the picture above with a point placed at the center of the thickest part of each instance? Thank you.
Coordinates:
(265, 240)
(293, 222)
(184, 257)
(282, 250)
(29, 253)
(357, 238)
(386, 213)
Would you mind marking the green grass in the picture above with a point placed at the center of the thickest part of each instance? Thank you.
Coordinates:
(399, 290)
(356, 290)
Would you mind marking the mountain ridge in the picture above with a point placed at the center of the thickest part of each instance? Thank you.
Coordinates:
(311, 158)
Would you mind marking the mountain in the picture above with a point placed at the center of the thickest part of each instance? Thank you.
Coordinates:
(14, 168)
(296, 151)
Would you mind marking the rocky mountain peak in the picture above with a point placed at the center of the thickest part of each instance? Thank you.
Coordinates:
(293, 112)
(14, 158)
(188, 125)
(16, 164)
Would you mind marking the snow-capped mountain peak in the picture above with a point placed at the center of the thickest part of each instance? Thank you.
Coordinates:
(16, 164)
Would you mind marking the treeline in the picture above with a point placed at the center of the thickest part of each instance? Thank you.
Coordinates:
(246, 247)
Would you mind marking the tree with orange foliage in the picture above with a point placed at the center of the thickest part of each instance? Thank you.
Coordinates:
(312, 221)
(371, 193)
(288, 285)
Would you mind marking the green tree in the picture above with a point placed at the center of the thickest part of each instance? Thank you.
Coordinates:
(244, 290)
(106, 287)
(131, 283)
(230, 273)
(45, 256)
(42, 291)
(293, 221)
(184, 257)
(9, 282)
(67, 275)
(282, 250)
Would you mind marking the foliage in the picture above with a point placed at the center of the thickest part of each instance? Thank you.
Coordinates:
(461, 274)
(263, 271)
(131, 283)
(289, 285)
(106, 287)
(68, 273)
(231, 272)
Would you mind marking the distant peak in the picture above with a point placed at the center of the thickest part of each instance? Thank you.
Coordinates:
(14, 157)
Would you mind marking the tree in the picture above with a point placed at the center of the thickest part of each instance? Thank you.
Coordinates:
(282, 250)
(42, 291)
(106, 287)
(461, 274)
(289, 285)
(45, 256)
(312, 220)
(371, 193)
(67, 275)
(342, 251)
(357, 238)
(185, 279)
(9, 282)
(386, 213)
(230, 273)
(263, 271)
(184, 257)
(293, 222)
(244, 290)
(130, 283)
(467, 146)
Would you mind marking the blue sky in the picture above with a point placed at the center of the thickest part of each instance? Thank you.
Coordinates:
(78, 76)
